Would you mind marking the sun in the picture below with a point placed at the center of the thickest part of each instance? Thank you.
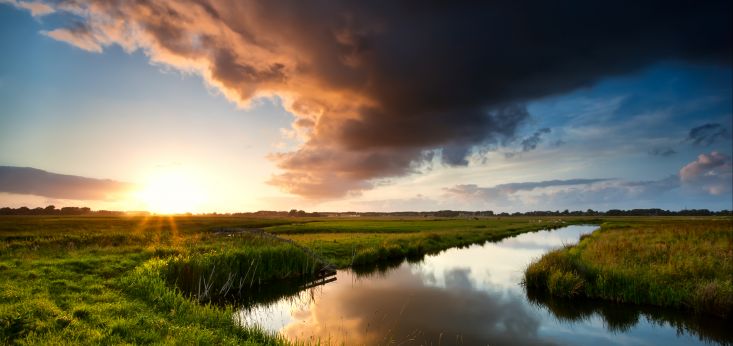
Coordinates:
(172, 191)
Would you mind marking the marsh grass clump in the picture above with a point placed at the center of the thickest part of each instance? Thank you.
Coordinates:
(676, 263)
(383, 253)
(220, 273)
(714, 296)
(556, 273)
(14, 326)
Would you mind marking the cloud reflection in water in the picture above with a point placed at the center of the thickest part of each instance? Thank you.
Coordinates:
(403, 308)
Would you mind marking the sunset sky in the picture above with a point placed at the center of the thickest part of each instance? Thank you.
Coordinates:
(218, 105)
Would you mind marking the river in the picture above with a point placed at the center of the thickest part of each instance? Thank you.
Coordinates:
(471, 296)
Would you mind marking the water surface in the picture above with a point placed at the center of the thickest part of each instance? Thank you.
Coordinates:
(471, 296)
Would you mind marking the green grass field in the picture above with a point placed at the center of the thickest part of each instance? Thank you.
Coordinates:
(111, 280)
(664, 262)
(104, 280)
(92, 280)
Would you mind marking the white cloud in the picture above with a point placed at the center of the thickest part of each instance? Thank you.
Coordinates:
(711, 172)
(79, 38)
(36, 8)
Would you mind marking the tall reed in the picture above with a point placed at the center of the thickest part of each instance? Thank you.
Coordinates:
(223, 272)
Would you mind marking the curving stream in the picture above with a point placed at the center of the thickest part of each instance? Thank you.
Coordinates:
(471, 296)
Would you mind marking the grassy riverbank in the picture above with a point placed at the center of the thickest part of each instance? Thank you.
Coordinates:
(369, 242)
(664, 262)
(110, 280)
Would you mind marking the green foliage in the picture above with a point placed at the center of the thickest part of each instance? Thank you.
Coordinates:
(676, 263)
(218, 273)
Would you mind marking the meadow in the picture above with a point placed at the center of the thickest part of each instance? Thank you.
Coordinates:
(678, 263)
(159, 279)
(105, 280)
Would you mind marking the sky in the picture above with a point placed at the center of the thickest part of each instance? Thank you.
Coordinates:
(218, 105)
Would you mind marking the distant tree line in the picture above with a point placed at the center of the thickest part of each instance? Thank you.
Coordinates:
(52, 210)
(273, 213)
(566, 212)
(484, 213)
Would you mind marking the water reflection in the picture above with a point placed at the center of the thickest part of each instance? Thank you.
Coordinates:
(404, 309)
(622, 318)
(468, 296)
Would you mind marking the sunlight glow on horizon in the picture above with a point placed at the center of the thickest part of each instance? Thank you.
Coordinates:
(173, 190)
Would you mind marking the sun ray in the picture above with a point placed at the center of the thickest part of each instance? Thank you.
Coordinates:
(175, 238)
(140, 227)
(172, 191)
(158, 230)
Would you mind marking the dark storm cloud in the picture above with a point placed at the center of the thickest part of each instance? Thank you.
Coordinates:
(31, 181)
(664, 152)
(376, 85)
(707, 134)
(530, 143)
